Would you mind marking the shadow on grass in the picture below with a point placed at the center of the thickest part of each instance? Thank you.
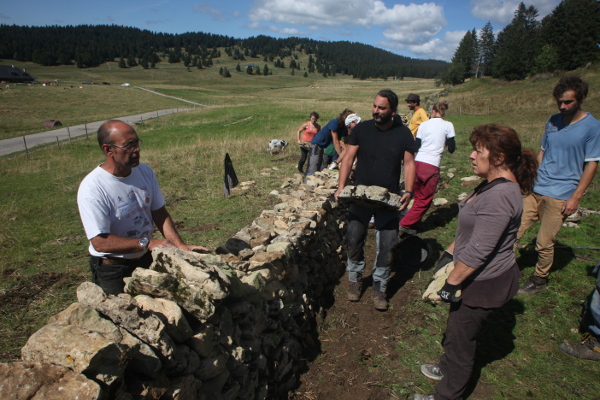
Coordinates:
(439, 218)
(527, 256)
(405, 271)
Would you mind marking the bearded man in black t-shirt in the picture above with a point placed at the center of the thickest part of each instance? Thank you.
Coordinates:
(381, 146)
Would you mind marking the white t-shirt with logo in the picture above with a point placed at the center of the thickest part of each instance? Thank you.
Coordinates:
(119, 206)
(433, 135)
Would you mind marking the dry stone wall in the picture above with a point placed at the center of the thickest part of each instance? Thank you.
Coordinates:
(238, 325)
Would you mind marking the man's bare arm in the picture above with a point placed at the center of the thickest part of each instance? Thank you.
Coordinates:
(165, 224)
(410, 173)
(346, 167)
(586, 178)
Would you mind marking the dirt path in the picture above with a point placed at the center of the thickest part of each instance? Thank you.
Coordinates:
(354, 335)
(361, 353)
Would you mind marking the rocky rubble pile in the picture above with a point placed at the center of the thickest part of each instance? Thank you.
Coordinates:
(199, 326)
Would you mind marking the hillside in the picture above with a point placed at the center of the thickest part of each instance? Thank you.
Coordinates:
(89, 46)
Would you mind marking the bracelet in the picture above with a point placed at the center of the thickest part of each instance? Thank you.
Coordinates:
(409, 191)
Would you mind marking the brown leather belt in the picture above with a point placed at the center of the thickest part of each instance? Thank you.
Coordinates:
(119, 261)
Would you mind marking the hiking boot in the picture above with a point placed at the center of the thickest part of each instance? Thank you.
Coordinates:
(588, 349)
(432, 371)
(354, 291)
(533, 285)
(423, 397)
(402, 230)
(379, 300)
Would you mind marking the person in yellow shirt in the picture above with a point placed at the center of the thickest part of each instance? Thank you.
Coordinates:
(413, 101)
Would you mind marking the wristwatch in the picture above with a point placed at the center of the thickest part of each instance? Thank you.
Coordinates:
(144, 242)
(409, 191)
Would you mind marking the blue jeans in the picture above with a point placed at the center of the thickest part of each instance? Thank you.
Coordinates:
(110, 276)
(386, 225)
(317, 161)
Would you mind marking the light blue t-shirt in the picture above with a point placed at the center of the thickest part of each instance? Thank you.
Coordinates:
(566, 149)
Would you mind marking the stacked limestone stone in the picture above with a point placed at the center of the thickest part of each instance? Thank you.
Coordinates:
(199, 326)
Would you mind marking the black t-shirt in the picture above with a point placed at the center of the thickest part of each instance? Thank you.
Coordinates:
(381, 153)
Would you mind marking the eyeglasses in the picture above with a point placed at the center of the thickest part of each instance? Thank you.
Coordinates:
(136, 144)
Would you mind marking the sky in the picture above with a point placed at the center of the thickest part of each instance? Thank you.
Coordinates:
(424, 30)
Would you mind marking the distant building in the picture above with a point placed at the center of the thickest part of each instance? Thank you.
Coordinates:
(9, 73)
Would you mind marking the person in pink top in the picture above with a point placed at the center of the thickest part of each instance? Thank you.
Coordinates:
(432, 137)
(310, 129)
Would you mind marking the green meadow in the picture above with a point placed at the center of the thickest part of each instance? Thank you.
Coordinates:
(44, 250)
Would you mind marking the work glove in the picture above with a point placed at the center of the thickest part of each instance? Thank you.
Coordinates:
(450, 293)
(444, 259)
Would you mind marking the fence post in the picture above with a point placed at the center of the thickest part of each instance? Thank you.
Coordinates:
(86, 133)
(69, 133)
(57, 143)
(26, 150)
(157, 114)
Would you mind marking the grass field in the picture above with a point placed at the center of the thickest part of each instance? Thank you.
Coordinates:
(44, 250)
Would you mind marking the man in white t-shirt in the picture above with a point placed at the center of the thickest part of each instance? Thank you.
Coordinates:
(118, 202)
(432, 137)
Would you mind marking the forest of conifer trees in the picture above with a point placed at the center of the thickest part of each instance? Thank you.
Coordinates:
(566, 39)
(89, 46)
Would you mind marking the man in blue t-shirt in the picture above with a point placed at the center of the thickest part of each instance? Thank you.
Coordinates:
(332, 132)
(567, 161)
(381, 146)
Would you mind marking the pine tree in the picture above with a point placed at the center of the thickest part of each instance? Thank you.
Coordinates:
(486, 49)
(122, 62)
(131, 61)
(518, 45)
(572, 31)
(238, 68)
(466, 55)
(546, 60)
(265, 70)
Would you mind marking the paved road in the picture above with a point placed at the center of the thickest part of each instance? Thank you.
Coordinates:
(13, 145)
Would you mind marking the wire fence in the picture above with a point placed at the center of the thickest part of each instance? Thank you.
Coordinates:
(27, 142)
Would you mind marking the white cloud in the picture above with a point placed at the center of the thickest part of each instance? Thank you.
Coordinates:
(157, 22)
(502, 11)
(208, 10)
(286, 31)
(405, 24)
(436, 48)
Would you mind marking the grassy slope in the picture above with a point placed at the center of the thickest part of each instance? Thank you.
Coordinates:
(41, 233)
